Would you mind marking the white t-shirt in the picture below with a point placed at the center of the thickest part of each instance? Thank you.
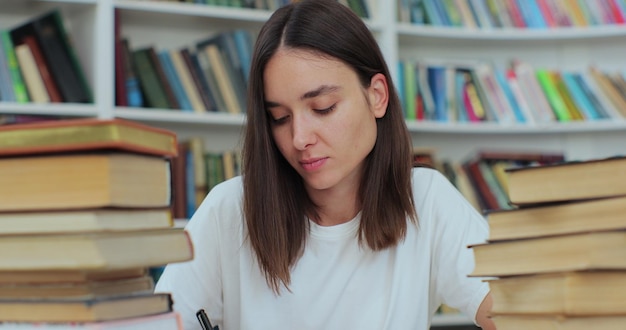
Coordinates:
(336, 284)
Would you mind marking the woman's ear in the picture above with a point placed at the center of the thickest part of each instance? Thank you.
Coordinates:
(378, 94)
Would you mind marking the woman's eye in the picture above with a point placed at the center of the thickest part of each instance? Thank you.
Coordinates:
(280, 120)
(326, 110)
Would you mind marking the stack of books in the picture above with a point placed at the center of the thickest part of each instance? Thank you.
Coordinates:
(84, 213)
(558, 260)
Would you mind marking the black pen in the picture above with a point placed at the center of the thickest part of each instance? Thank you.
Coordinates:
(205, 323)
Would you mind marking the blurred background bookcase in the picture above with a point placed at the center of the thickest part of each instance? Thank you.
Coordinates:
(168, 25)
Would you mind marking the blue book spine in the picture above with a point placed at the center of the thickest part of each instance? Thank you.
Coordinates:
(459, 87)
(579, 96)
(243, 42)
(437, 84)
(172, 76)
(400, 86)
(535, 14)
(190, 184)
(517, 111)
(432, 14)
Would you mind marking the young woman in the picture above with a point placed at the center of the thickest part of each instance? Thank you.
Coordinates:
(329, 227)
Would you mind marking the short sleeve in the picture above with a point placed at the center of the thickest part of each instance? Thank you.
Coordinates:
(455, 226)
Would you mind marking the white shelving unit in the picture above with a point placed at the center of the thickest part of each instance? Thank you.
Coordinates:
(173, 25)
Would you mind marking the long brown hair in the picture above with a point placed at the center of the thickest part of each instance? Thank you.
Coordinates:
(275, 202)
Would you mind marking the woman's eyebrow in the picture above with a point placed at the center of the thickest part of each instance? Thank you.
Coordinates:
(322, 90)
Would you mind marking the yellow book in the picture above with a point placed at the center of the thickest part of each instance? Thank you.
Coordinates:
(94, 251)
(566, 293)
(85, 134)
(558, 322)
(103, 219)
(30, 72)
(84, 180)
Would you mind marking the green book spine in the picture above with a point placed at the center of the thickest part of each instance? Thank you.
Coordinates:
(410, 90)
(71, 52)
(19, 88)
(153, 92)
(554, 97)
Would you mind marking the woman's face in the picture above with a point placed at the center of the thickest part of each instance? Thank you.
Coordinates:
(323, 119)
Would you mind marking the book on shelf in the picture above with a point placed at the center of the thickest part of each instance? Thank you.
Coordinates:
(32, 77)
(558, 322)
(564, 293)
(84, 180)
(162, 321)
(84, 310)
(51, 86)
(187, 82)
(574, 252)
(18, 92)
(486, 173)
(154, 92)
(82, 220)
(69, 135)
(557, 219)
(573, 180)
(54, 41)
(170, 79)
(94, 250)
(199, 81)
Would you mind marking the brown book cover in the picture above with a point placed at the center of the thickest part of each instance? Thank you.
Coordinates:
(486, 197)
(573, 180)
(77, 276)
(84, 310)
(603, 250)
(89, 289)
(558, 219)
(85, 134)
(179, 190)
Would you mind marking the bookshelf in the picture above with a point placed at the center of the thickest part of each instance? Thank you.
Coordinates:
(173, 25)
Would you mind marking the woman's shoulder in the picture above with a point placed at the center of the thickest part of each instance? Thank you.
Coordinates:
(225, 195)
(426, 177)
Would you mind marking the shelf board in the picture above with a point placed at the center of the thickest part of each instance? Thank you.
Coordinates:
(52, 109)
(451, 319)
(509, 34)
(180, 117)
(78, 2)
(496, 128)
(192, 9)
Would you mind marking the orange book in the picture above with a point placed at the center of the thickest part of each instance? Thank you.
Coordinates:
(86, 134)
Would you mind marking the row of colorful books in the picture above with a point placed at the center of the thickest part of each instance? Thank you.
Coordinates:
(196, 170)
(534, 14)
(38, 63)
(84, 215)
(556, 259)
(211, 76)
(481, 176)
(361, 7)
(477, 91)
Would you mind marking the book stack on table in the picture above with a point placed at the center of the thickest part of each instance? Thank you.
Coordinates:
(558, 259)
(84, 213)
